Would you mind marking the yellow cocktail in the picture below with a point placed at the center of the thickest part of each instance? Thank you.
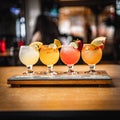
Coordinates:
(91, 55)
(49, 56)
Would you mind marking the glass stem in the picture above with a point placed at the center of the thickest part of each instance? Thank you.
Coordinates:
(29, 69)
(92, 68)
(49, 68)
(70, 69)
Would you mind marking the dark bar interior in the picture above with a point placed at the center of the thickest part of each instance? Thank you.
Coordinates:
(74, 18)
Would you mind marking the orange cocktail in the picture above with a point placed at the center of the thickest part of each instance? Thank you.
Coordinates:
(91, 55)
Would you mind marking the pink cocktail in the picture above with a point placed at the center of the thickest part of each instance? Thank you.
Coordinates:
(69, 56)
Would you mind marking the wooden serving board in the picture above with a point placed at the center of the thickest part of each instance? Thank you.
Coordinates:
(81, 78)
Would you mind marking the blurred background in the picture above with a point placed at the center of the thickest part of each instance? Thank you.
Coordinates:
(83, 19)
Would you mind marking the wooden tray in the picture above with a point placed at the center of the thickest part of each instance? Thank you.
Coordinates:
(82, 78)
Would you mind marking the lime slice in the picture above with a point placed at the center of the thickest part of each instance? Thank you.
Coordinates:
(74, 44)
(99, 41)
(36, 45)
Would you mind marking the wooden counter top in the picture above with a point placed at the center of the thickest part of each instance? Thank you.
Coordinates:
(45, 98)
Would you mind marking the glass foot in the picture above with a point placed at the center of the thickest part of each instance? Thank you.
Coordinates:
(91, 69)
(90, 72)
(28, 73)
(50, 71)
(29, 70)
(70, 70)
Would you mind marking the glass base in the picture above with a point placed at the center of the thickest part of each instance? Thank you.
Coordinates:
(70, 70)
(91, 69)
(50, 71)
(29, 70)
(91, 72)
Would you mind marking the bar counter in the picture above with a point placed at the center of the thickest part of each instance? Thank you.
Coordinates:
(59, 101)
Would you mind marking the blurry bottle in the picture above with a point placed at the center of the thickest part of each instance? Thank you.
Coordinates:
(3, 45)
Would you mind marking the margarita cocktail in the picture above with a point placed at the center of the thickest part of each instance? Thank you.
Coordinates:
(28, 56)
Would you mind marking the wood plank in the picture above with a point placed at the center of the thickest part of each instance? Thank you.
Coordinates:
(82, 78)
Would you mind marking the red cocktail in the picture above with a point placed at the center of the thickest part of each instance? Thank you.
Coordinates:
(69, 56)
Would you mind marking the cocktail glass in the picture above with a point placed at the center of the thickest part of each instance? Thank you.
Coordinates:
(91, 55)
(49, 56)
(28, 56)
(69, 56)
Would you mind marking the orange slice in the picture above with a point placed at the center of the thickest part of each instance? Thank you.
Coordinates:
(57, 43)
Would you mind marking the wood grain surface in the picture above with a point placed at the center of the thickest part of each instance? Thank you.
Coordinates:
(44, 98)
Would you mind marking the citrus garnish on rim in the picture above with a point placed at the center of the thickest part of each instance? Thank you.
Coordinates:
(77, 44)
(36, 45)
(99, 42)
(57, 43)
(74, 44)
